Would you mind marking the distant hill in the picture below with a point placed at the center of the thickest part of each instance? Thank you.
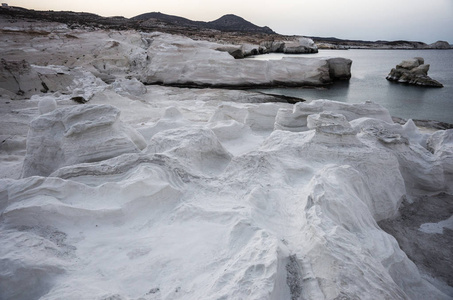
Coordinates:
(171, 20)
(68, 17)
(234, 23)
(230, 28)
(174, 24)
(228, 22)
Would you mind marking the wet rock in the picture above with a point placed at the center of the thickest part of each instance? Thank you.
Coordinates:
(431, 252)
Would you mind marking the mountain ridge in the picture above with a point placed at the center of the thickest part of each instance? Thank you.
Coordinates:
(229, 28)
(228, 22)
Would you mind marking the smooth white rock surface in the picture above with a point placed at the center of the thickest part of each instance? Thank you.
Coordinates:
(150, 58)
(219, 204)
(77, 134)
(46, 105)
(178, 60)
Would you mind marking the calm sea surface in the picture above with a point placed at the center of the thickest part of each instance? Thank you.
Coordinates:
(369, 69)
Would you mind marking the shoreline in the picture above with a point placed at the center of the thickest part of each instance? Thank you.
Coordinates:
(425, 124)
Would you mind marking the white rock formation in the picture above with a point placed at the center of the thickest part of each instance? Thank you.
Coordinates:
(198, 149)
(162, 58)
(46, 105)
(239, 209)
(203, 194)
(295, 46)
(197, 63)
(68, 136)
(127, 87)
(295, 119)
(441, 145)
(301, 45)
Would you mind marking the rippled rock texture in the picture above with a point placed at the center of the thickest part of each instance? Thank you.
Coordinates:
(189, 195)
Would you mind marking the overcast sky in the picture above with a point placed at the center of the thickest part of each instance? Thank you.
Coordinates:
(417, 20)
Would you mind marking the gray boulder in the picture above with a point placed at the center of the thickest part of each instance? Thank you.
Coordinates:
(20, 79)
(339, 68)
(409, 64)
(413, 71)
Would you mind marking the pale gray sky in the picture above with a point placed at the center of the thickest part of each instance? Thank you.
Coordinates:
(420, 20)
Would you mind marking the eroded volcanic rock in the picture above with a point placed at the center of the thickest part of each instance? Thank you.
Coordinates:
(77, 134)
(176, 60)
(413, 71)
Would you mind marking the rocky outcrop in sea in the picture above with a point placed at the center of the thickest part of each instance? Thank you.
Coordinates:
(413, 71)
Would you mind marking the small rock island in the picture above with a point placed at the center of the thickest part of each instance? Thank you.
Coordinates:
(413, 71)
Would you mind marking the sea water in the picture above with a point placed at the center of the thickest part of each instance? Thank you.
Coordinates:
(368, 83)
